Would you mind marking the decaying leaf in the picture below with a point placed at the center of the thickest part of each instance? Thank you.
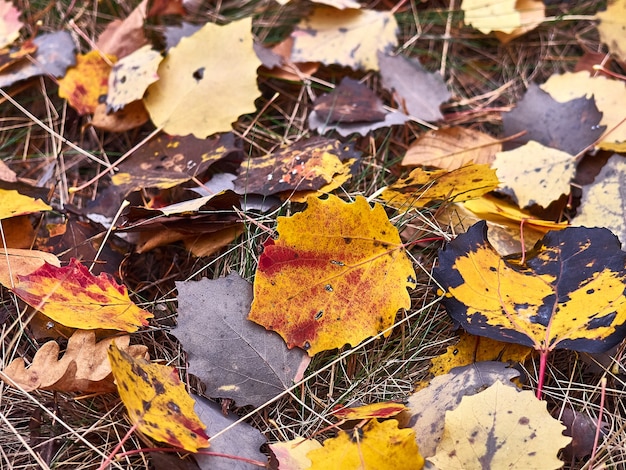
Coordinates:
(16, 262)
(206, 82)
(122, 37)
(500, 427)
(374, 410)
(292, 455)
(350, 101)
(534, 174)
(129, 117)
(10, 24)
(234, 358)
(611, 27)
(306, 165)
(569, 293)
(603, 201)
(582, 429)
(84, 366)
(471, 349)
(86, 82)
(348, 37)
(157, 402)
(418, 92)
(423, 187)
(377, 445)
(428, 406)
(341, 283)
(13, 204)
(391, 118)
(452, 148)
(74, 297)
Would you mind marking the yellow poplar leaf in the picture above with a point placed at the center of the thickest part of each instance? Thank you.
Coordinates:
(206, 82)
(382, 410)
(346, 37)
(336, 274)
(84, 366)
(292, 455)
(568, 294)
(492, 15)
(532, 14)
(13, 204)
(15, 262)
(471, 349)
(609, 96)
(376, 446)
(157, 401)
(612, 26)
(74, 297)
(500, 428)
(338, 180)
(534, 174)
(452, 148)
(497, 210)
(84, 84)
(423, 187)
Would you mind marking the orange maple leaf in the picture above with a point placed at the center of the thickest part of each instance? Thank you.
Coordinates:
(74, 297)
(337, 274)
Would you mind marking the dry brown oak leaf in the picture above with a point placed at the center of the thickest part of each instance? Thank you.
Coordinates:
(84, 367)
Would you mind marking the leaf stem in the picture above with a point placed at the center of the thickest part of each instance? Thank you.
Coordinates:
(111, 456)
(543, 360)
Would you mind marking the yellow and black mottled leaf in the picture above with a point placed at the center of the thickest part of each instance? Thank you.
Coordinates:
(568, 294)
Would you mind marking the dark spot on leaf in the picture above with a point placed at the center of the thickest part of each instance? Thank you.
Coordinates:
(138, 371)
(455, 352)
(347, 240)
(306, 346)
(590, 291)
(146, 405)
(328, 288)
(159, 388)
(319, 314)
(198, 74)
(523, 421)
(492, 269)
(173, 407)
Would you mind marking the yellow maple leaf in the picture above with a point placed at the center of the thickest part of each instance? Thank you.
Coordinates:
(157, 402)
(376, 446)
(13, 204)
(74, 297)
(336, 274)
(84, 84)
(206, 82)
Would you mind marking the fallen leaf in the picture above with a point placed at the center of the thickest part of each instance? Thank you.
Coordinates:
(428, 406)
(452, 148)
(84, 366)
(534, 174)
(391, 118)
(532, 14)
(206, 82)
(292, 455)
(167, 161)
(582, 429)
(6, 174)
(471, 349)
(13, 204)
(611, 27)
(131, 76)
(337, 181)
(570, 127)
(377, 445)
(602, 203)
(16, 262)
(16, 55)
(418, 92)
(277, 62)
(380, 410)
(234, 358)
(157, 402)
(54, 54)
(341, 283)
(129, 117)
(500, 427)
(350, 101)
(206, 245)
(241, 440)
(18, 232)
(348, 37)
(10, 24)
(491, 15)
(309, 164)
(86, 82)
(569, 294)
(423, 187)
(72, 296)
(122, 37)
(609, 96)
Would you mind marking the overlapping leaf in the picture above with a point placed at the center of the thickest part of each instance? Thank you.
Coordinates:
(336, 274)
(13, 204)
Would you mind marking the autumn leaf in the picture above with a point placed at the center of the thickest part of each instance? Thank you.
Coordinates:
(201, 89)
(10, 24)
(380, 446)
(292, 455)
(74, 297)
(611, 27)
(13, 204)
(84, 366)
(500, 428)
(569, 293)
(157, 401)
(16, 262)
(348, 37)
(86, 82)
(423, 187)
(336, 274)
(374, 410)
(508, 18)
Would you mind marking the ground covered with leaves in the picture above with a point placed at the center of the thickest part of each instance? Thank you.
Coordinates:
(305, 235)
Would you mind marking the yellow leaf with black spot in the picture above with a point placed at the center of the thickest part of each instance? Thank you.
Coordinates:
(569, 292)
(157, 402)
(423, 187)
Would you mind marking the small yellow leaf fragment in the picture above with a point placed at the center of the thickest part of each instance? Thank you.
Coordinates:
(157, 402)
(13, 204)
(500, 428)
(380, 446)
(492, 15)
